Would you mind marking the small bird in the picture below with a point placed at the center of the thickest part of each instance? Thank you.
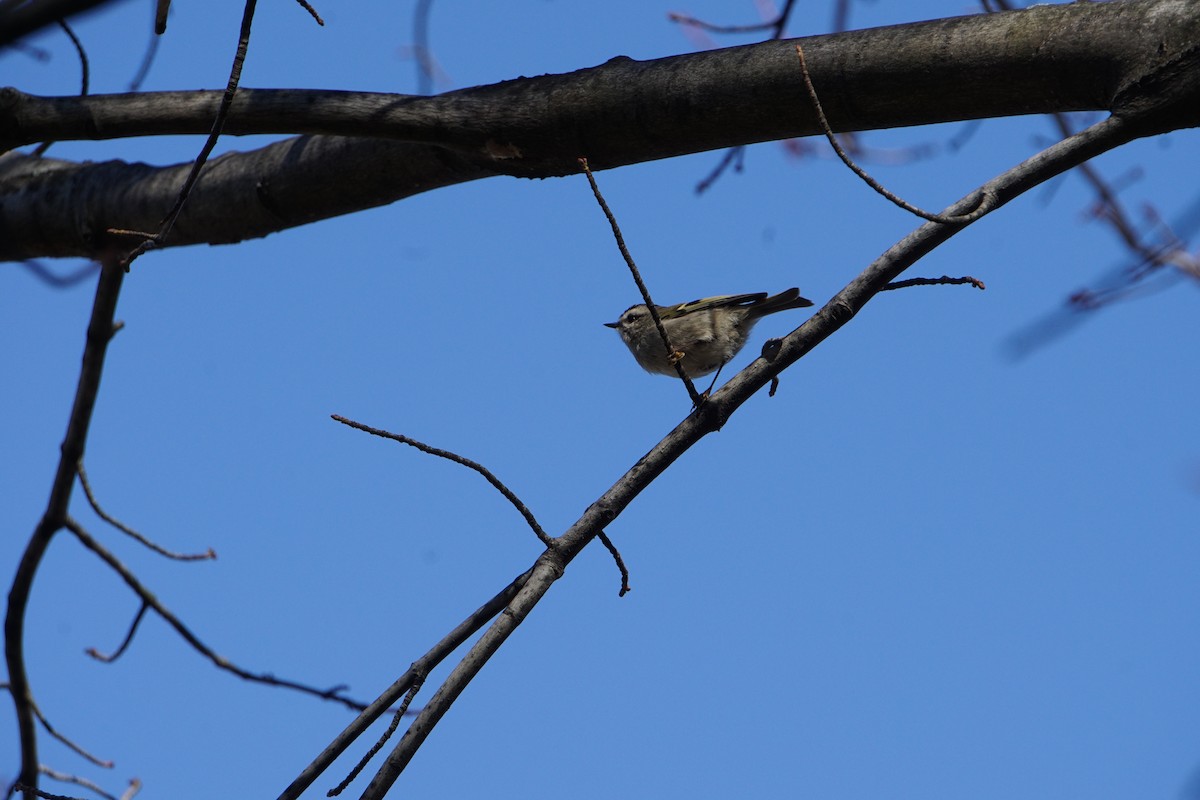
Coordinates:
(705, 333)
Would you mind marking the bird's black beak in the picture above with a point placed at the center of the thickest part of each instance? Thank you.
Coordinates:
(611, 324)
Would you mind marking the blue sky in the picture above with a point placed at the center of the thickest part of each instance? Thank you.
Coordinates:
(922, 570)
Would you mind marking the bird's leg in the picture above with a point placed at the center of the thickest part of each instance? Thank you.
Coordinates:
(708, 391)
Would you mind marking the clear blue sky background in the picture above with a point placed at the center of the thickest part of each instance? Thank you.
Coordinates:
(922, 570)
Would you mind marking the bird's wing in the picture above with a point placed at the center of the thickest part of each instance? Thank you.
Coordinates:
(720, 301)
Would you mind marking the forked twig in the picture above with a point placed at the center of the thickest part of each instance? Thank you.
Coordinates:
(414, 676)
(333, 693)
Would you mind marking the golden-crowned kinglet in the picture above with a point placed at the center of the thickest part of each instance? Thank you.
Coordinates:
(708, 332)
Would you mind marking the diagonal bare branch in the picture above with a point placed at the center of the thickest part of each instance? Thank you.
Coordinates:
(522, 509)
(414, 676)
(148, 598)
(710, 417)
(130, 532)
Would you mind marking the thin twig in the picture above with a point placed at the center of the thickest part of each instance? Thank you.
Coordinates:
(509, 495)
(50, 729)
(84, 68)
(985, 202)
(33, 51)
(128, 531)
(457, 459)
(387, 734)
(637, 278)
(841, 16)
(735, 156)
(333, 693)
(421, 55)
(312, 12)
(85, 77)
(129, 634)
(235, 75)
(616, 554)
(776, 25)
(945, 279)
(695, 22)
(39, 271)
(151, 52)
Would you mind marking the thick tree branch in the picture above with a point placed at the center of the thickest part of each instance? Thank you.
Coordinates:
(1070, 57)
(59, 208)
(1125, 54)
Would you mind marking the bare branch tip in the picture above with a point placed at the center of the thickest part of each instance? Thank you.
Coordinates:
(945, 280)
(616, 554)
(135, 786)
(312, 12)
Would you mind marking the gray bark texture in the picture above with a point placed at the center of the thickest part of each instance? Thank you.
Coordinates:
(360, 150)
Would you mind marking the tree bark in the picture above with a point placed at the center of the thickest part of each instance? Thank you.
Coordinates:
(363, 150)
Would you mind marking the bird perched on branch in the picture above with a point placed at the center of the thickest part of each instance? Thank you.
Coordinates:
(705, 334)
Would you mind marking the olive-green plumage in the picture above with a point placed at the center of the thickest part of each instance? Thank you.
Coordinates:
(709, 332)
